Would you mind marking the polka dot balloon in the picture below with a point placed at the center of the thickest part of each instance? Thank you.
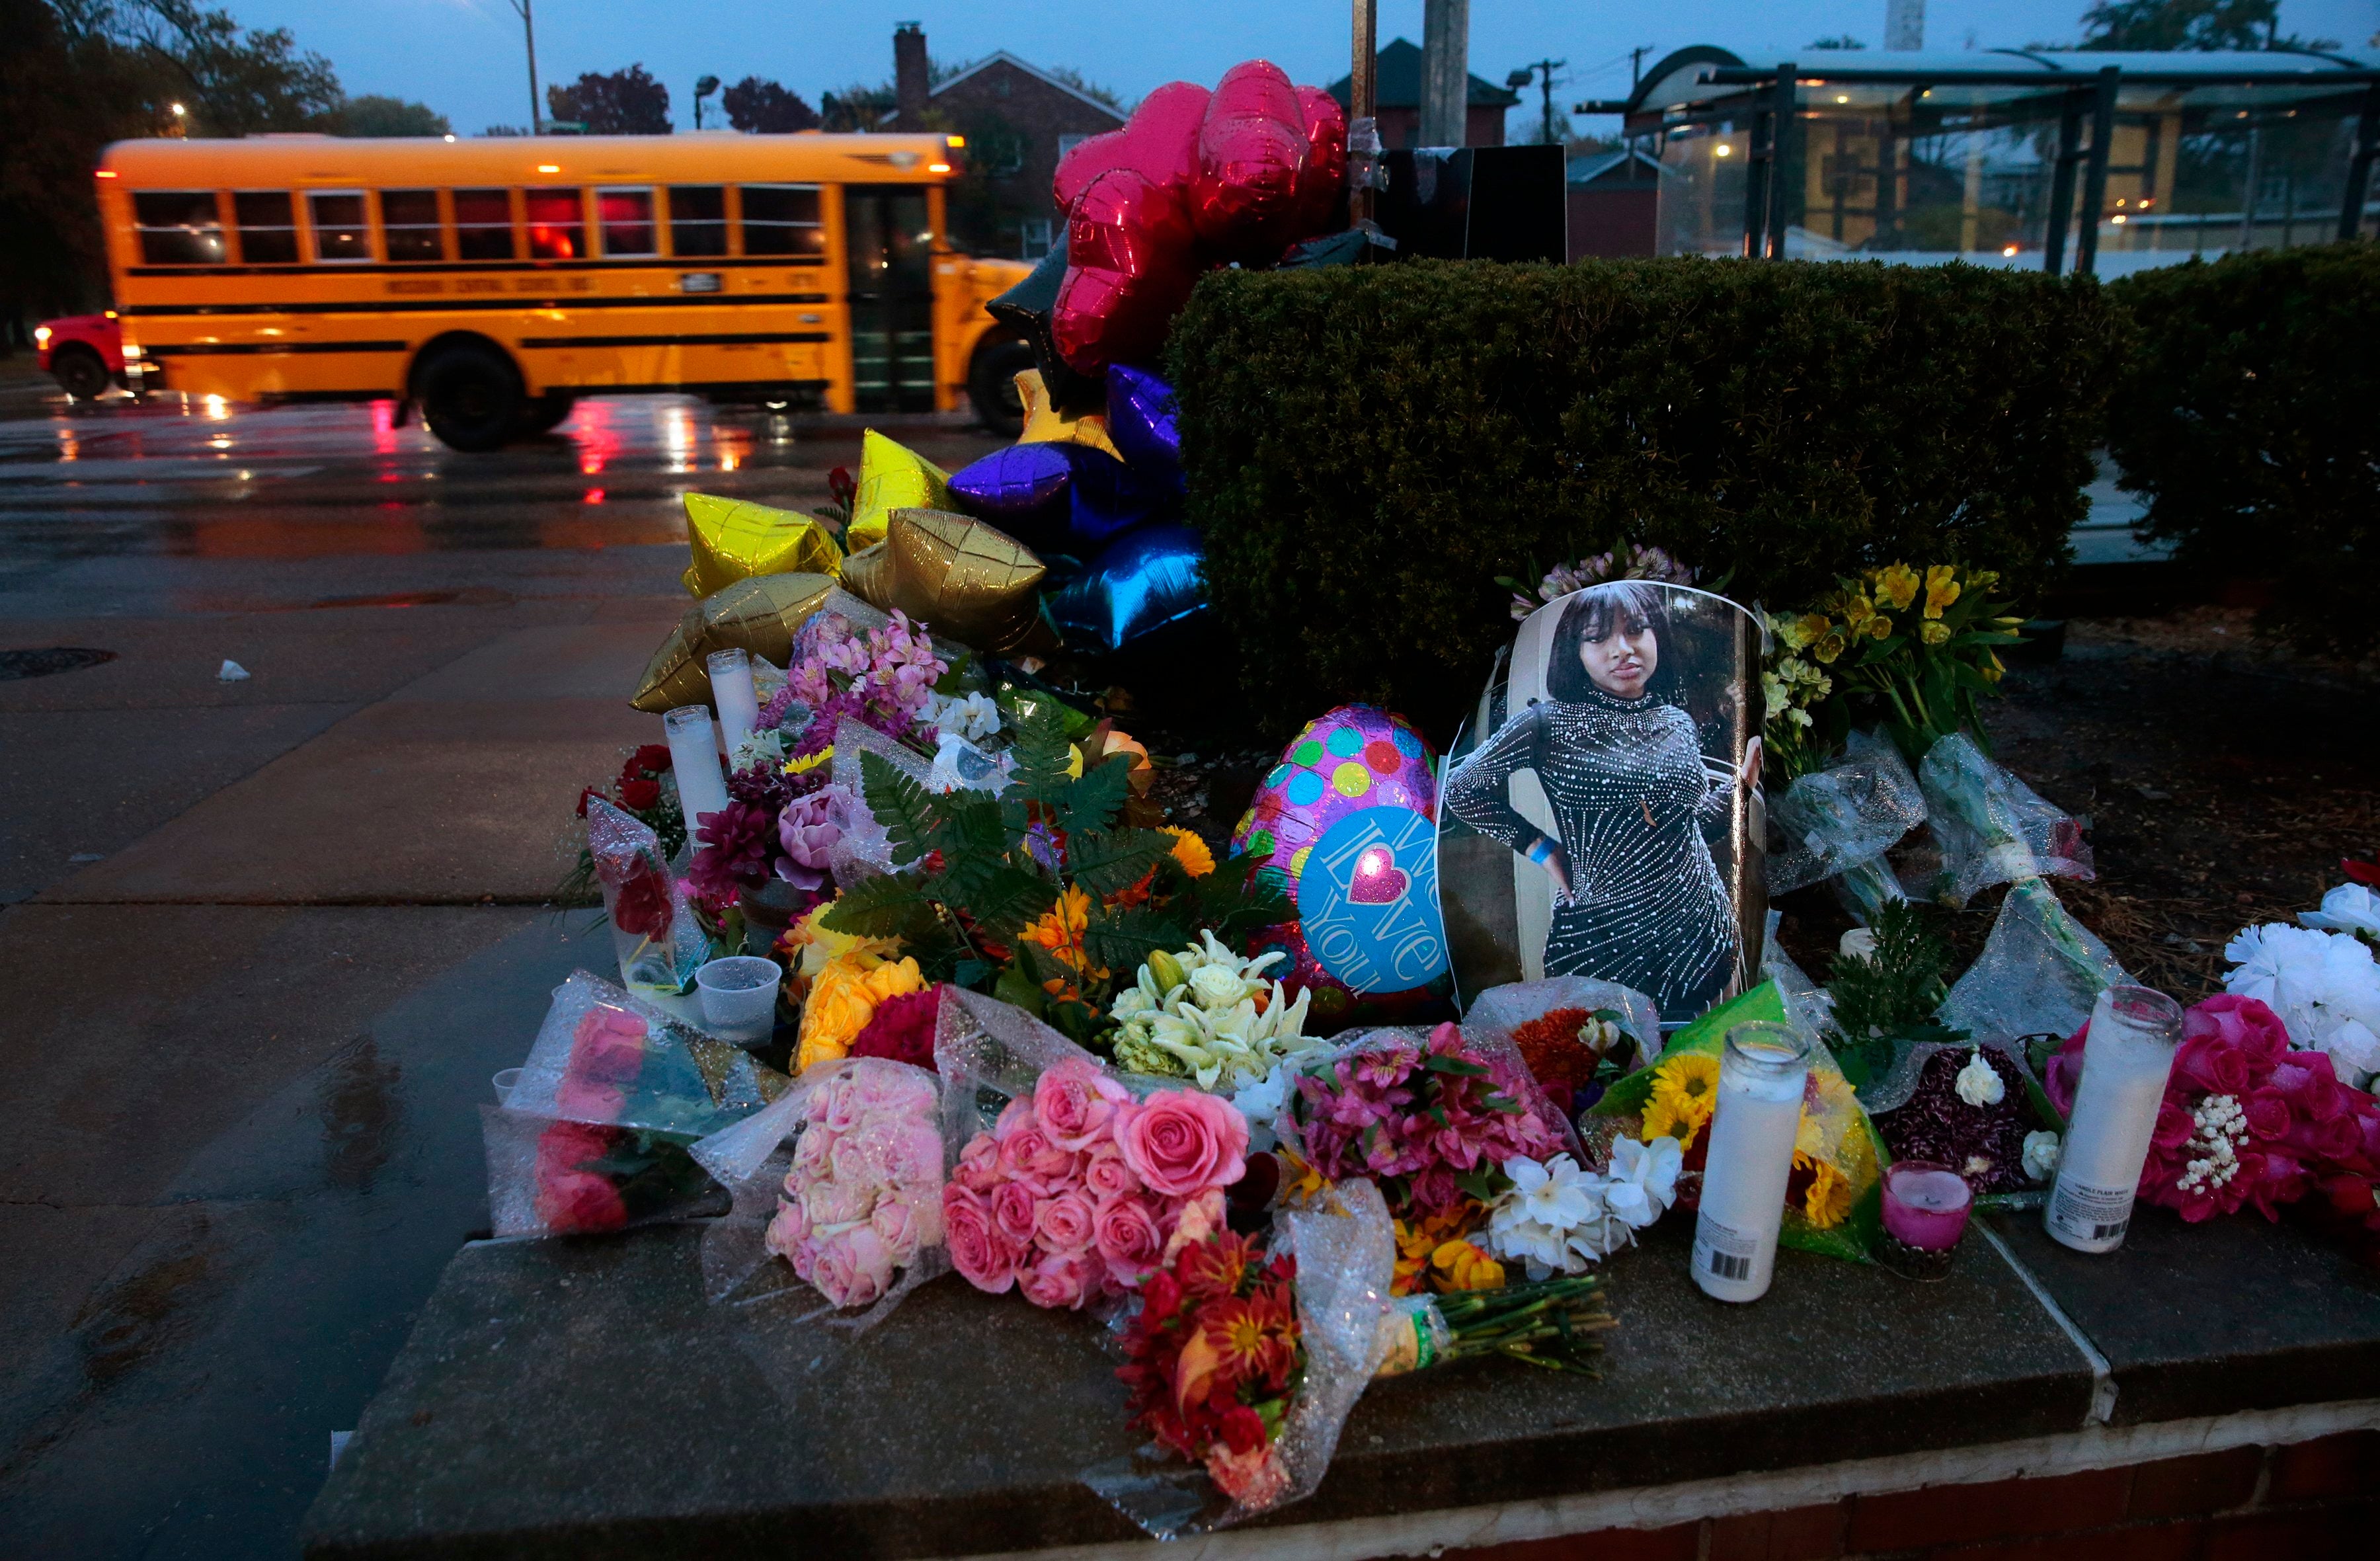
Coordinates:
(1349, 814)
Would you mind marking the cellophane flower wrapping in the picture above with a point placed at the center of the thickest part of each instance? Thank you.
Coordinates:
(552, 1177)
(2040, 971)
(655, 930)
(1069, 1182)
(1833, 1198)
(1347, 1261)
(1840, 822)
(605, 1056)
(1809, 1007)
(1502, 1011)
(840, 1179)
(1992, 827)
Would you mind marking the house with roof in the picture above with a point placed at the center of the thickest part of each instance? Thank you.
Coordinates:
(1397, 101)
(1614, 200)
(1018, 120)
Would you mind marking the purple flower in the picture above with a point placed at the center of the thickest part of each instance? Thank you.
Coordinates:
(807, 829)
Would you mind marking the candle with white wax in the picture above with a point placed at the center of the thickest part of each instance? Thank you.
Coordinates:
(694, 761)
(2126, 1061)
(1754, 1123)
(733, 692)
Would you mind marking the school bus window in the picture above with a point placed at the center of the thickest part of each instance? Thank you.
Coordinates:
(268, 227)
(557, 225)
(782, 219)
(342, 232)
(178, 228)
(626, 219)
(484, 224)
(409, 226)
(698, 215)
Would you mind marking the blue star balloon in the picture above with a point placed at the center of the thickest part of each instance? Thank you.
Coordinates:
(1146, 579)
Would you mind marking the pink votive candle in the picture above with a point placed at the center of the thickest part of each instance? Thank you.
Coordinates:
(1927, 1205)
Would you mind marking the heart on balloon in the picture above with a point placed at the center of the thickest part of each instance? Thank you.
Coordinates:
(1378, 879)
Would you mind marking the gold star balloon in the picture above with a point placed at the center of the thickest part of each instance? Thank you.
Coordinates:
(736, 539)
(892, 476)
(969, 582)
(1044, 424)
(758, 616)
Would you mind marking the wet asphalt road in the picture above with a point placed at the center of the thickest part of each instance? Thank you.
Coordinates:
(263, 941)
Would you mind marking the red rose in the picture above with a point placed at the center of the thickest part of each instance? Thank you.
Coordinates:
(639, 794)
(653, 759)
(641, 907)
(572, 1198)
(589, 795)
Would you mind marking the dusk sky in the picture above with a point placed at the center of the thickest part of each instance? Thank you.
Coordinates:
(464, 57)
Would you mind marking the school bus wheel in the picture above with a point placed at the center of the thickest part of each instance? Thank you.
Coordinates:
(470, 394)
(992, 382)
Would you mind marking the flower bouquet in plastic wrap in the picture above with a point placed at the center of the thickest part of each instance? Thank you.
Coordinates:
(654, 932)
(1839, 822)
(1833, 1199)
(1243, 1361)
(842, 1179)
(1578, 1036)
(1432, 1117)
(1992, 827)
(594, 1136)
(1067, 1185)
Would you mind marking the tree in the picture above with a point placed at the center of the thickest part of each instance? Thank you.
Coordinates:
(855, 107)
(375, 115)
(2181, 24)
(234, 82)
(766, 108)
(625, 102)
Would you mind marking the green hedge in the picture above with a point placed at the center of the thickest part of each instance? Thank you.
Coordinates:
(1369, 447)
(2250, 421)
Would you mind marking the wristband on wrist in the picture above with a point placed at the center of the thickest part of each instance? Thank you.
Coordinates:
(1541, 851)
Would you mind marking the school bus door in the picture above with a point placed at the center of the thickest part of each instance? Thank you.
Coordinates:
(888, 247)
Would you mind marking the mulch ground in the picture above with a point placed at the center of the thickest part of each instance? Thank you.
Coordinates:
(2222, 778)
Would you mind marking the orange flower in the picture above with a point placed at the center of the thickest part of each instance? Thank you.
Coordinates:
(1061, 930)
(1190, 851)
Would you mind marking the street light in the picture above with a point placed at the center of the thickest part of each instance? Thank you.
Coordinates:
(1519, 80)
(703, 87)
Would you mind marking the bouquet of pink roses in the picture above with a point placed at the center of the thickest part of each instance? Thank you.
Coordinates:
(2245, 1119)
(1080, 1191)
(863, 1198)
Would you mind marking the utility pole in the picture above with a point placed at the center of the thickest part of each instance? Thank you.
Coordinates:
(1544, 70)
(1445, 72)
(528, 35)
(1636, 64)
(1363, 128)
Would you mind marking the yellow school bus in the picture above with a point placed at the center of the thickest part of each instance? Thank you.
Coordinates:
(490, 282)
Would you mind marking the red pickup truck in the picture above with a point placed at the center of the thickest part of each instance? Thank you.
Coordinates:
(83, 352)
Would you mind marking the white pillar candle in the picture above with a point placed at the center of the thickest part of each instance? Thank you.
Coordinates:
(1754, 1123)
(694, 760)
(2125, 1064)
(732, 693)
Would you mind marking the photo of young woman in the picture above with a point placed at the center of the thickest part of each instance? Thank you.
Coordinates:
(1624, 795)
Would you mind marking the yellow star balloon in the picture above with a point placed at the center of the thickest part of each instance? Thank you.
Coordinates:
(1044, 424)
(760, 617)
(968, 582)
(736, 539)
(892, 476)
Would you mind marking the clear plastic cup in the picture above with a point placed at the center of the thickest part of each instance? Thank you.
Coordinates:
(740, 996)
(504, 1083)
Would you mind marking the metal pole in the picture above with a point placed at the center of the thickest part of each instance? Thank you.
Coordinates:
(2061, 186)
(2094, 179)
(1780, 125)
(528, 35)
(2358, 166)
(1363, 123)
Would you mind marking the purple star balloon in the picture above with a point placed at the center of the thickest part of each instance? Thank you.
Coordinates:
(1144, 422)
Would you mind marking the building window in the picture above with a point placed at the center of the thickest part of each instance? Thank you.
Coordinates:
(268, 227)
(1070, 141)
(178, 228)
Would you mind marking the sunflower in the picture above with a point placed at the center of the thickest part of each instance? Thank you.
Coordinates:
(1190, 851)
(1684, 1090)
(1828, 1201)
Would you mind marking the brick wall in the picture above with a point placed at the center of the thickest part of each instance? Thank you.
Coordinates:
(2312, 1501)
(1012, 121)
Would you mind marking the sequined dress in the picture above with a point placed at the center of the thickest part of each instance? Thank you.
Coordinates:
(1648, 908)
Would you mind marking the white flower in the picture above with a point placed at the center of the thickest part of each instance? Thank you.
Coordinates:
(1979, 1083)
(1857, 943)
(757, 745)
(1217, 986)
(2041, 1150)
(1643, 1179)
(2325, 986)
(975, 717)
(1260, 1102)
(2350, 907)
(1209, 1014)
(1534, 1221)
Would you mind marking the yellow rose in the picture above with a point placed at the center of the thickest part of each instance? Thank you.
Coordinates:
(1897, 583)
(843, 999)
